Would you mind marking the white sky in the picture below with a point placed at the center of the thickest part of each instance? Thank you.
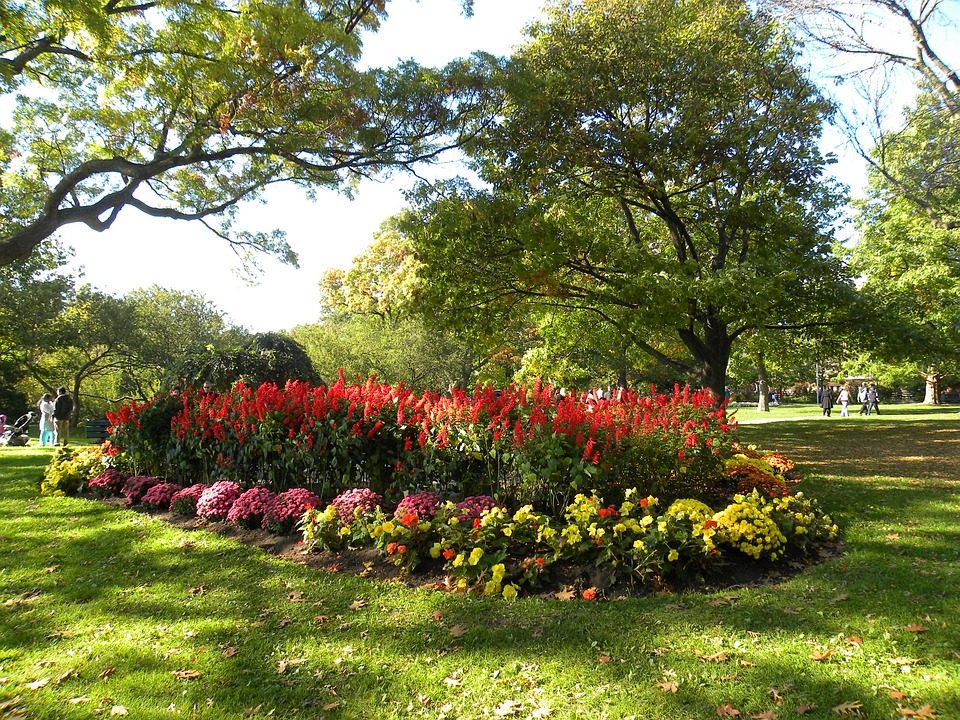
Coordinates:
(138, 251)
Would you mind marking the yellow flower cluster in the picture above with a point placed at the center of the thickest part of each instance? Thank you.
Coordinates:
(689, 509)
(746, 525)
(738, 461)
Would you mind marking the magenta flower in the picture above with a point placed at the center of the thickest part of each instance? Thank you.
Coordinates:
(216, 500)
(288, 507)
(251, 507)
(160, 496)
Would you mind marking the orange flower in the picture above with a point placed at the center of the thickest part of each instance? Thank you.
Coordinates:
(391, 548)
(590, 594)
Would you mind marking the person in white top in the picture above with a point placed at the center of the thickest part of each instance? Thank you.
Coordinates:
(844, 399)
(47, 427)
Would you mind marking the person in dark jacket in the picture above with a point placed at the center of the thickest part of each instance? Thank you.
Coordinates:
(62, 408)
(826, 401)
(873, 400)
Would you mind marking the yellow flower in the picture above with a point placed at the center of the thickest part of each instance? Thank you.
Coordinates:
(458, 560)
(475, 556)
(498, 571)
(647, 521)
(388, 527)
(510, 592)
(673, 556)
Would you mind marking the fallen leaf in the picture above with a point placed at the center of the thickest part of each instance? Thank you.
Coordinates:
(804, 709)
(37, 684)
(716, 657)
(668, 686)
(854, 640)
(818, 656)
(186, 674)
(925, 712)
(566, 595)
(839, 598)
(541, 712)
(118, 710)
(791, 611)
(230, 652)
(603, 659)
(357, 604)
(76, 701)
(106, 672)
(437, 615)
(331, 706)
(186, 544)
(296, 596)
(916, 628)
(51, 569)
(508, 707)
(851, 708)
(459, 630)
(768, 715)
(727, 711)
(251, 711)
(893, 536)
(198, 590)
(897, 695)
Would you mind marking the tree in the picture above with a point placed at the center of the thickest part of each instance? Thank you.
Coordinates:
(879, 45)
(911, 271)
(622, 185)
(184, 109)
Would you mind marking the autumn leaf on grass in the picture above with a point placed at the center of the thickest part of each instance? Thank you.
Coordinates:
(916, 628)
(284, 663)
(854, 640)
(804, 709)
(668, 686)
(768, 715)
(508, 707)
(357, 604)
(839, 598)
(728, 711)
(118, 710)
(459, 630)
(106, 672)
(453, 680)
(541, 712)
(186, 674)
(818, 655)
(296, 596)
(566, 595)
(230, 652)
(851, 708)
(437, 615)
(198, 590)
(37, 684)
(716, 657)
(925, 712)
(51, 569)
(604, 659)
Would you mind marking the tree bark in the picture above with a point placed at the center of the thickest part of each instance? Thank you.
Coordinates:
(931, 395)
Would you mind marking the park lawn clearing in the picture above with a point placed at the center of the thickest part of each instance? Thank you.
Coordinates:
(109, 612)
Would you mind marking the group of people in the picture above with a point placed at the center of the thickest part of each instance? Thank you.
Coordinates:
(55, 418)
(867, 396)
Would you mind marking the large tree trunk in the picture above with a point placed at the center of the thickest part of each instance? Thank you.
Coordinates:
(931, 395)
(763, 387)
(712, 351)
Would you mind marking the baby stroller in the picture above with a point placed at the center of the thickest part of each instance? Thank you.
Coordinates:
(16, 435)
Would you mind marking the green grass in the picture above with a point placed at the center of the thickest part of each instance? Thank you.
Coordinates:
(100, 608)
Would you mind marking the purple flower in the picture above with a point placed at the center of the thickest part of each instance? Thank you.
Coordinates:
(251, 507)
(347, 503)
(136, 487)
(184, 502)
(216, 500)
(160, 496)
(471, 508)
(288, 507)
(108, 483)
(424, 504)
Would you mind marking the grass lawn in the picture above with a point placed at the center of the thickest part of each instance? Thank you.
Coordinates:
(106, 612)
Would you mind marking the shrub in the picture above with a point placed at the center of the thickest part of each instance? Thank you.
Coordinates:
(287, 509)
(159, 497)
(325, 530)
(215, 502)
(250, 508)
(70, 469)
(423, 504)
(184, 501)
(108, 483)
(354, 503)
(136, 487)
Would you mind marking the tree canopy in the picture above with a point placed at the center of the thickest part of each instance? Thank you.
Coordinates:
(656, 166)
(184, 109)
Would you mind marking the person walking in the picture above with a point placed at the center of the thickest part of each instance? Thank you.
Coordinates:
(844, 399)
(826, 400)
(873, 400)
(862, 399)
(63, 407)
(47, 427)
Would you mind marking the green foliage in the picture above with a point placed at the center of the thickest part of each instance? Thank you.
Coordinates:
(240, 97)
(70, 469)
(660, 207)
